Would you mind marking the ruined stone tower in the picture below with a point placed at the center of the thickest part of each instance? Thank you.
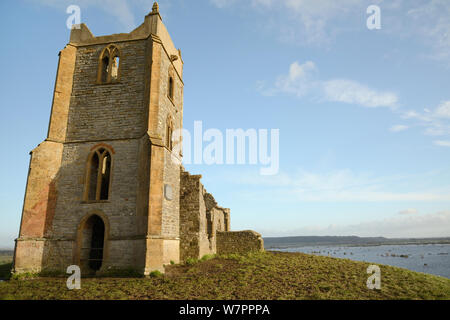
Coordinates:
(103, 189)
(117, 99)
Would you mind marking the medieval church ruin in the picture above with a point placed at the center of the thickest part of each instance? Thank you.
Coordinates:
(106, 189)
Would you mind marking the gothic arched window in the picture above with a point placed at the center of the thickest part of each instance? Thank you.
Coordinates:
(98, 175)
(109, 65)
(169, 133)
(171, 87)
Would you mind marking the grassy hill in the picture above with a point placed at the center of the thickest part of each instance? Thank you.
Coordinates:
(268, 275)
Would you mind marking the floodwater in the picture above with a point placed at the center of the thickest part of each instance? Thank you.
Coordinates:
(430, 258)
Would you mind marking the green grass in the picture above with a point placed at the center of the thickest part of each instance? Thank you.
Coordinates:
(5, 270)
(269, 275)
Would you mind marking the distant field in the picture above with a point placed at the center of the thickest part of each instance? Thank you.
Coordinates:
(5, 258)
(290, 242)
(269, 275)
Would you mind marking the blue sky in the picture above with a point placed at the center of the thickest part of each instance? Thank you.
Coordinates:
(364, 115)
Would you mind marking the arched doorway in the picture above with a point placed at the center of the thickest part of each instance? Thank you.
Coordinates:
(92, 244)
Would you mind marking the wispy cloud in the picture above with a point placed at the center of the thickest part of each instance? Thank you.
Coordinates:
(299, 81)
(347, 91)
(442, 143)
(398, 128)
(430, 21)
(299, 20)
(320, 21)
(344, 186)
(436, 122)
(302, 80)
(403, 226)
(443, 110)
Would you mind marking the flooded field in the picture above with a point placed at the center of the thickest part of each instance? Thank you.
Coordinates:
(431, 258)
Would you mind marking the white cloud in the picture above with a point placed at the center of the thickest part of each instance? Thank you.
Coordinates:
(399, 128)
(308, 22)
(369, 196)
(431, 24)
(411, 114)
(352, 92)
(405, 226)
(302, 80)
(302, 21)
(436, 122)
(299, 81)
(442, 143)
(443, 111)
(408, 211)
(343, 186)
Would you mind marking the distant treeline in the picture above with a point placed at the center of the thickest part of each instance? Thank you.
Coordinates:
(289, 242)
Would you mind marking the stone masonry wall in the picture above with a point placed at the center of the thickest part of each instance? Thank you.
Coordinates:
(200, 218)
(170, 109)
(120, 210)
(190, 212)
(240, 242)
(108, 111)
(114, 116)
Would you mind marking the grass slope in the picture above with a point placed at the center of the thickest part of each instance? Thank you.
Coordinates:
(268, 275)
